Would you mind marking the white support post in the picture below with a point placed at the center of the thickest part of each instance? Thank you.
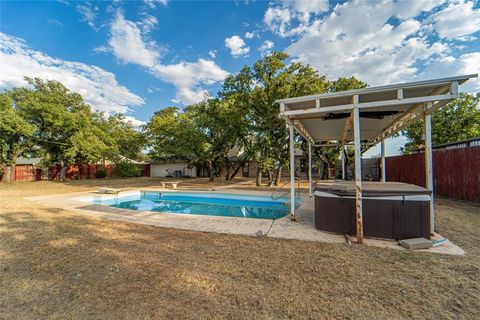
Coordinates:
(382, 151)
(292, 174)
(358, 170)
(428, 165)
(309, 169)
(343, 163)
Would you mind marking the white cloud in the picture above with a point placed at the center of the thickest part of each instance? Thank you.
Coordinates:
(148, 23)
(249, 35)
(153, 89)
(278, 20)
(266, 47)
(345, 43)
(98, 87)
(134, 121)
(306, 7)
(153, 3)
(468, 63)
(189, 76)
(89, 14)
(128, 45)
(101, 49)
(212, 54)
(237, 46)
(457, 19)
(408, 9)
(55, 22)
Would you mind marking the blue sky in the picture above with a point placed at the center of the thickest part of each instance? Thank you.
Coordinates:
(137, 57)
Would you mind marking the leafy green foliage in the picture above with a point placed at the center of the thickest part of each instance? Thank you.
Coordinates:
(457, 121)
(245, 115)
(14, 130)
(59, 126)
(127, 169)
(101, 173)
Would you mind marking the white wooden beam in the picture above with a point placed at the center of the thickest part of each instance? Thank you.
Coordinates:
(400, 94)
(300, 129)
(309, 169)
(409, 118)
(358, 171)
(382, 151)
(292, 174)
(317, 103)
(454, 89)
(368, 105)
(303, 131)
(347, 128)
(428, 165)
(390, 87)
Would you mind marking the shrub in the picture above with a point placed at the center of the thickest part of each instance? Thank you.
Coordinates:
(127, 170)
(101, 173)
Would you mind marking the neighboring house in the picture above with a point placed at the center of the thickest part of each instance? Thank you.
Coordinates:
(21, 161)
(179, 168)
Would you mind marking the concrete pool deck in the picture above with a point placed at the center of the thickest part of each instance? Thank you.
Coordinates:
(302, 229)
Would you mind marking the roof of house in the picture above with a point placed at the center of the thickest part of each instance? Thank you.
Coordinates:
(27, 161)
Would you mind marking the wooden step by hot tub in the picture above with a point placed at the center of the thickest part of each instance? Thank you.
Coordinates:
(391, 210)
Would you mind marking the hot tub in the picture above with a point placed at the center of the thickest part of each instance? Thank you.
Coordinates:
(391, 210)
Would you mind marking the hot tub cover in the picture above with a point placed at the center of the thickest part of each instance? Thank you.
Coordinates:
(371, 188)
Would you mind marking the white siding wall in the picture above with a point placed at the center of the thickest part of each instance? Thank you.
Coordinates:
(160, 170)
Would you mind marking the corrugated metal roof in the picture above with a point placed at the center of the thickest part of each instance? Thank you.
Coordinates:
(27, 161)
(383, 110)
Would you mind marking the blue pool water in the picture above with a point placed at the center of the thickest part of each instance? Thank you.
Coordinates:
(213, 204)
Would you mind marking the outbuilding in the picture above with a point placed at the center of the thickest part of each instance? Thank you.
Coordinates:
(174, 169)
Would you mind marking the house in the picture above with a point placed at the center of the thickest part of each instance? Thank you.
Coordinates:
(172, 168)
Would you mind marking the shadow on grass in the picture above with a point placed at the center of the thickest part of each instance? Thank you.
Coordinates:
(57, 264)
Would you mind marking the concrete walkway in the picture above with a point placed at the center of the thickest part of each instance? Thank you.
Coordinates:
(302, 229)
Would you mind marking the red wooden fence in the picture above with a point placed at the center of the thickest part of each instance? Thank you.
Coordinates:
(456, 172)
(27, 173)
(74, 172)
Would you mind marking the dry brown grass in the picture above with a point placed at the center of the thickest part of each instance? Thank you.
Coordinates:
(58, 264)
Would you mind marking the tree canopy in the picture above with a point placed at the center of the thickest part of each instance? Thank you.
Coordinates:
(60, 126)
(244, 115)
(459, 120)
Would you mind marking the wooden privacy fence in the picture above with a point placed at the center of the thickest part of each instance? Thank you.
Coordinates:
(27, 173)
(456, 172)
(74, 172)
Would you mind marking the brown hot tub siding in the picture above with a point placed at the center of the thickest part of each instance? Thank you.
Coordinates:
(391, 219)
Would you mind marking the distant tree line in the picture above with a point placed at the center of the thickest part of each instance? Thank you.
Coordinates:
(244, 115)
(47, 120)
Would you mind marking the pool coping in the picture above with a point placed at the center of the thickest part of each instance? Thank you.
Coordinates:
(302, 229)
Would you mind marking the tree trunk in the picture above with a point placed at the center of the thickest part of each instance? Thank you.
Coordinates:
(278, 174)
(237, 169)
(211, 173)
(63, 171)
(325, 171)
(259, 176)
(227, 165)
(8, 174)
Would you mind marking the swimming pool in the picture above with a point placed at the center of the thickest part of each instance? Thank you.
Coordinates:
(203, 203)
